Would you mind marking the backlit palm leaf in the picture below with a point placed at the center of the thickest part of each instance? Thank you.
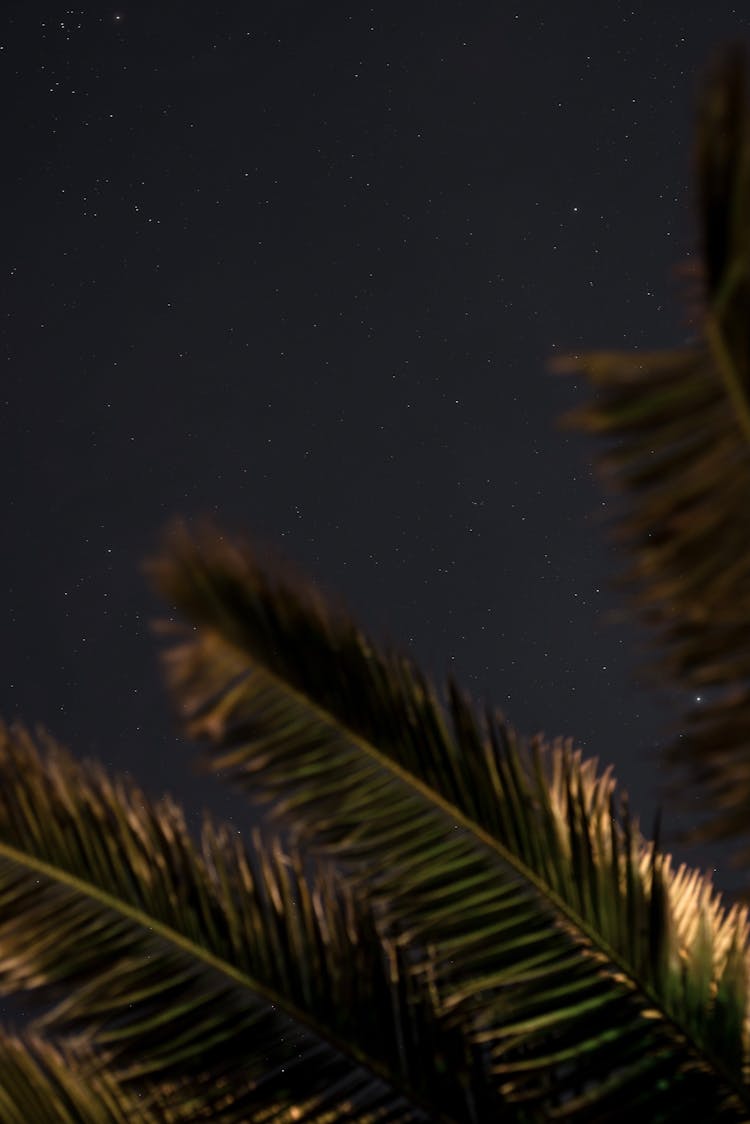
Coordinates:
(598, 980)
(680, 421)
(218, 974)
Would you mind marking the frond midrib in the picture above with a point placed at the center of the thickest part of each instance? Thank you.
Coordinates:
(732, 386)
(199, 953)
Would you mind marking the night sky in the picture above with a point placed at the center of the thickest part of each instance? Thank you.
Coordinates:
(302, 266)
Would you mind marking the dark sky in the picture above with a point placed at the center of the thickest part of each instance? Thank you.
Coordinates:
(301, 266)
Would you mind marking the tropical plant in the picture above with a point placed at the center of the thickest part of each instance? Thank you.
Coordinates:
(60, 1085)
(678, 423)
(438, 921)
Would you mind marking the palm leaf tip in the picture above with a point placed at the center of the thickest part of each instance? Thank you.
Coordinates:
(543, 917)
(677, 424)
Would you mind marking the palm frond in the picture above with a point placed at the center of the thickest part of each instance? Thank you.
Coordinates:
(43, 1083)
(678, 424)
(596, 977)
(57, 1083)
(227, 975)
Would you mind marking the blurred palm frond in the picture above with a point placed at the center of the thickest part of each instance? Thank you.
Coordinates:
(678, 450)
(593, 976)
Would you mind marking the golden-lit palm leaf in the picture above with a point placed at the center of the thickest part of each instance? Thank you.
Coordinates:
(598, 980)
(45, 1084)
(219, 972)
(679, 424)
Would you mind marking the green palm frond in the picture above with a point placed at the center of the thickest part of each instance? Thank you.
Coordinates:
(679, 428)
(41, 1083)
(249, 988)
(597, 979)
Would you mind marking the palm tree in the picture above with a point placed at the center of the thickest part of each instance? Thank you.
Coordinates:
(438, 921)
(461, 927)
